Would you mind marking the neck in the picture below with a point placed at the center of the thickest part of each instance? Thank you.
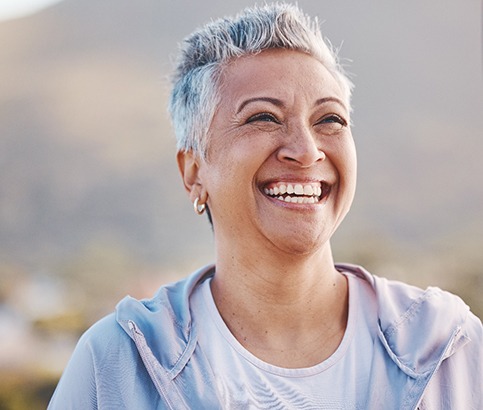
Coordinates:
(289, 310)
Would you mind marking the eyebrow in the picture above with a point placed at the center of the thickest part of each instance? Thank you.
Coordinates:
(279, 103)
(274, 101)
(321, 101)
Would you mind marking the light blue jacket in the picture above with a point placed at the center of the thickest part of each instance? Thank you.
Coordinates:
(429, 354)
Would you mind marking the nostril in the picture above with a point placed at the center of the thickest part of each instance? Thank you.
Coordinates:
(303, 157)
(301, 146)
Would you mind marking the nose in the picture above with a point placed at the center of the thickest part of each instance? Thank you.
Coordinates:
(300, 146)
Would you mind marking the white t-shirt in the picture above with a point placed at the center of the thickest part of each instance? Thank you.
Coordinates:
(245, 382)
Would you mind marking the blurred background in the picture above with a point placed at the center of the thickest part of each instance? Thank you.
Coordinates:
(91, 204)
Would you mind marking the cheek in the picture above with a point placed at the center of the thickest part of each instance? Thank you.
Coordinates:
(350, 169)
(342, 153)
(344, 159)
(353, 160)
(350, 162)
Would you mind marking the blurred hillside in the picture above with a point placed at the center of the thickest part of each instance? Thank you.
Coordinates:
(87, 152)
(91, 204)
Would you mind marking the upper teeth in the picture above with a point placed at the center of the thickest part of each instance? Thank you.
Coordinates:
(297, 189)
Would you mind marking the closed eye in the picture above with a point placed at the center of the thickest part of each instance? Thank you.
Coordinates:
(263, 117)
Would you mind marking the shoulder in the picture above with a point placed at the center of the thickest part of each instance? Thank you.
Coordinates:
(431, 335)
(400, 302)
(103, 335)
(420, 325)
(97, 350)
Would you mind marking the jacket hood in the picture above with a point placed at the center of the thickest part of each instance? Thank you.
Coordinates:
(419, 328)
(406, 316)
(165, 321)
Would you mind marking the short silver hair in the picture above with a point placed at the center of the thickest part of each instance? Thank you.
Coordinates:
(204, 54)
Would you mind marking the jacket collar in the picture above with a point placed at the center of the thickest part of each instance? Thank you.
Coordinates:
(418, 328)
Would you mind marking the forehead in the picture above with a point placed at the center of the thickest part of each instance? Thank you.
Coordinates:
(281, 73)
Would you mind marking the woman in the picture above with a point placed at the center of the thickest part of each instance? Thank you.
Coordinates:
(261, 110)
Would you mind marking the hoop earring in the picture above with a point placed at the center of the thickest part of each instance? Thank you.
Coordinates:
(199, 208)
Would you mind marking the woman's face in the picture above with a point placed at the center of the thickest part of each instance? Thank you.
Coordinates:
(280, 169)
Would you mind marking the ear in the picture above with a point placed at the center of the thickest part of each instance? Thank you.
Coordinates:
(189, 166)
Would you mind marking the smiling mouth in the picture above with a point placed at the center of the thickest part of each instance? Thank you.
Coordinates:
(298, 193)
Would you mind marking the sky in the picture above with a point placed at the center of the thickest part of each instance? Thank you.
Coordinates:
(11, 9)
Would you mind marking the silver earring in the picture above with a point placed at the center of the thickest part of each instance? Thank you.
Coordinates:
(199, 208)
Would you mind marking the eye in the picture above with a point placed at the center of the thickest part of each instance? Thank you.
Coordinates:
(263, 117)
(333, 119)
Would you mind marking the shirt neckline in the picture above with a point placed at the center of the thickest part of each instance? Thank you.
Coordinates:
(215, 316)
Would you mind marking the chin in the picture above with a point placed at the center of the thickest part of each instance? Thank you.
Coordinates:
(300, 239)
(302, 246)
